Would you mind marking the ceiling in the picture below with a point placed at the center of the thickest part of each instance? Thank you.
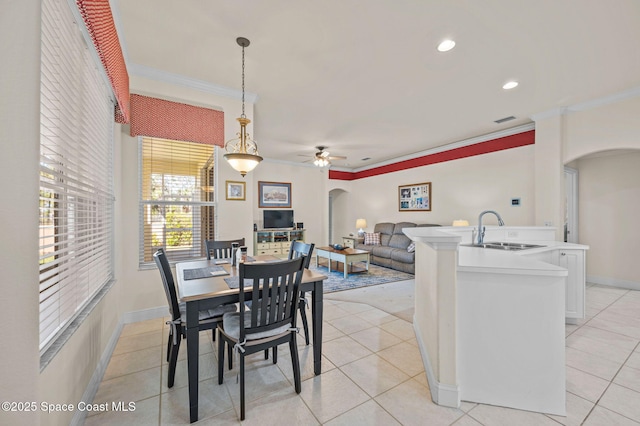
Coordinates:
(365, 79)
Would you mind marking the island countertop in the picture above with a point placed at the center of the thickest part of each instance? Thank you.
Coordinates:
(478, 259)
(489, 322)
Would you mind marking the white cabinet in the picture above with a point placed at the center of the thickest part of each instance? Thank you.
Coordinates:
(573, 260)
(276, 242)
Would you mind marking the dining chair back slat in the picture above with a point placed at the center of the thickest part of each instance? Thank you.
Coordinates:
(217, 249)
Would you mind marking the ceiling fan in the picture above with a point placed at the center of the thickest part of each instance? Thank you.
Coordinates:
(323, 158)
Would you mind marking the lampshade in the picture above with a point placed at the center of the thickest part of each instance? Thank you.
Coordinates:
(361, 223)
(460, 222)
(243, 163)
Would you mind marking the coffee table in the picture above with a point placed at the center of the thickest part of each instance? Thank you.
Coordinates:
(347, 256)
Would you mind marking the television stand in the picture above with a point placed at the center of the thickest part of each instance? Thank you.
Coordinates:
(275, 242)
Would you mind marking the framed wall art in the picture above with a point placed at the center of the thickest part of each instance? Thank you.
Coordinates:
(235, 190)
(415, 197)
(274, 194)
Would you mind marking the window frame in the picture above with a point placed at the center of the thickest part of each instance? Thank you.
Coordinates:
(196, 249)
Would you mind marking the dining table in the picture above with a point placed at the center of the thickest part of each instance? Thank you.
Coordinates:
(203, 284)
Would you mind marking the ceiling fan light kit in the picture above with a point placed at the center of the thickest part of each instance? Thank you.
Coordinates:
(242, 152)
(322, 157)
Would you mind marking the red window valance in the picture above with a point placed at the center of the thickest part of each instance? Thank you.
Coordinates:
(99, 22)
(174, 120)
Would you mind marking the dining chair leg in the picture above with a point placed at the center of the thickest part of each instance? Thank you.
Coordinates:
(295, 361)
(169, 344)
(230, 355)
(173, 360)
(220, 360)
(275, 354)
(303, 317)
(241, 387)
(266, 354)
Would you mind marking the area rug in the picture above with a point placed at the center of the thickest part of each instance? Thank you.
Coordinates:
(376, 275)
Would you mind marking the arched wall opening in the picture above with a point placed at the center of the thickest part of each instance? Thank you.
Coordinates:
(608, 202)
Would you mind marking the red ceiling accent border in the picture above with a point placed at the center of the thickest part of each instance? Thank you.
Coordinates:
(160, 118)
(99, 22)
(506, 142)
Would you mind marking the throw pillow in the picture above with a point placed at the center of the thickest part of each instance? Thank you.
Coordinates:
(372, 238)
(411, 248)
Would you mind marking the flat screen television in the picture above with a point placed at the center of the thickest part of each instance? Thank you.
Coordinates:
(278, 219)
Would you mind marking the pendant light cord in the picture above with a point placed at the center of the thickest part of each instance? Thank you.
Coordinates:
(243, 115)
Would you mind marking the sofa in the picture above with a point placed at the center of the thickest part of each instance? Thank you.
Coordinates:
(393, 246)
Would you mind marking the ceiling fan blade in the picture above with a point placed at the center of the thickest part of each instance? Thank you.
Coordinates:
(336, 157)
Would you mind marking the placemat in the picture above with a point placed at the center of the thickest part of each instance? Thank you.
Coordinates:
(232, 282)
(206, 272)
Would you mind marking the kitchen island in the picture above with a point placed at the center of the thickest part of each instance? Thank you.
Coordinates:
(490, 323)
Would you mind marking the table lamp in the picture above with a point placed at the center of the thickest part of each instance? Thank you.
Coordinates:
(361, 223)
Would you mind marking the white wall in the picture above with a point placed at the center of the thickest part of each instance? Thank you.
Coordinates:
(309, 196)
(609, 202)
(20, 137)
(569, 138)
(611, 126)
(461, 189)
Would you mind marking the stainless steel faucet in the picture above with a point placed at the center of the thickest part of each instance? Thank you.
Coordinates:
(481, 228)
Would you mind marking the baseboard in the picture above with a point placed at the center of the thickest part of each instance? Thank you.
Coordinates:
(441, 394)
(93, 385)
(145, 314)
(613, 282)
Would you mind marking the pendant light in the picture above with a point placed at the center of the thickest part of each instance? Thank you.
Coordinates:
(242, 152)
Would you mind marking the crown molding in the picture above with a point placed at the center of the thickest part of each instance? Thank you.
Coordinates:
(448, 147)
(191, 83)
(587, 105)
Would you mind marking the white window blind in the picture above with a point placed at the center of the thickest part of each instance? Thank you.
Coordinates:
(177, 202)
(76, 173)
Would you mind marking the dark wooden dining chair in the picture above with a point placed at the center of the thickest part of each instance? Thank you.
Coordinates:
(220, 249)
(270, 322)
(299, 249)
(209, 319)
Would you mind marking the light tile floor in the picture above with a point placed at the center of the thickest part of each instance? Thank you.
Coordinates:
(372, 372)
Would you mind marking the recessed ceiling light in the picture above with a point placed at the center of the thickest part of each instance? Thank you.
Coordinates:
(446, 45)
(510, 85)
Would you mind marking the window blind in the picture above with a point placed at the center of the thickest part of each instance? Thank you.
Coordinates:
(76, 173)
(177, 198)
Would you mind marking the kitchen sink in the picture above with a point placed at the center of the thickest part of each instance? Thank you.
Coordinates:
(503, 246)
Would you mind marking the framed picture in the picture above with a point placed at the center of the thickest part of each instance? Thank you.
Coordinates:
(415, 197)
(235, 190)
(274, 194)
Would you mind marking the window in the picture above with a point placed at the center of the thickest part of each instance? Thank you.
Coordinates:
(76, 174)
(177, 207)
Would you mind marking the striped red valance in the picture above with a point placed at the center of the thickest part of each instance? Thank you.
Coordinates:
(174, 120)
(99, 22)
